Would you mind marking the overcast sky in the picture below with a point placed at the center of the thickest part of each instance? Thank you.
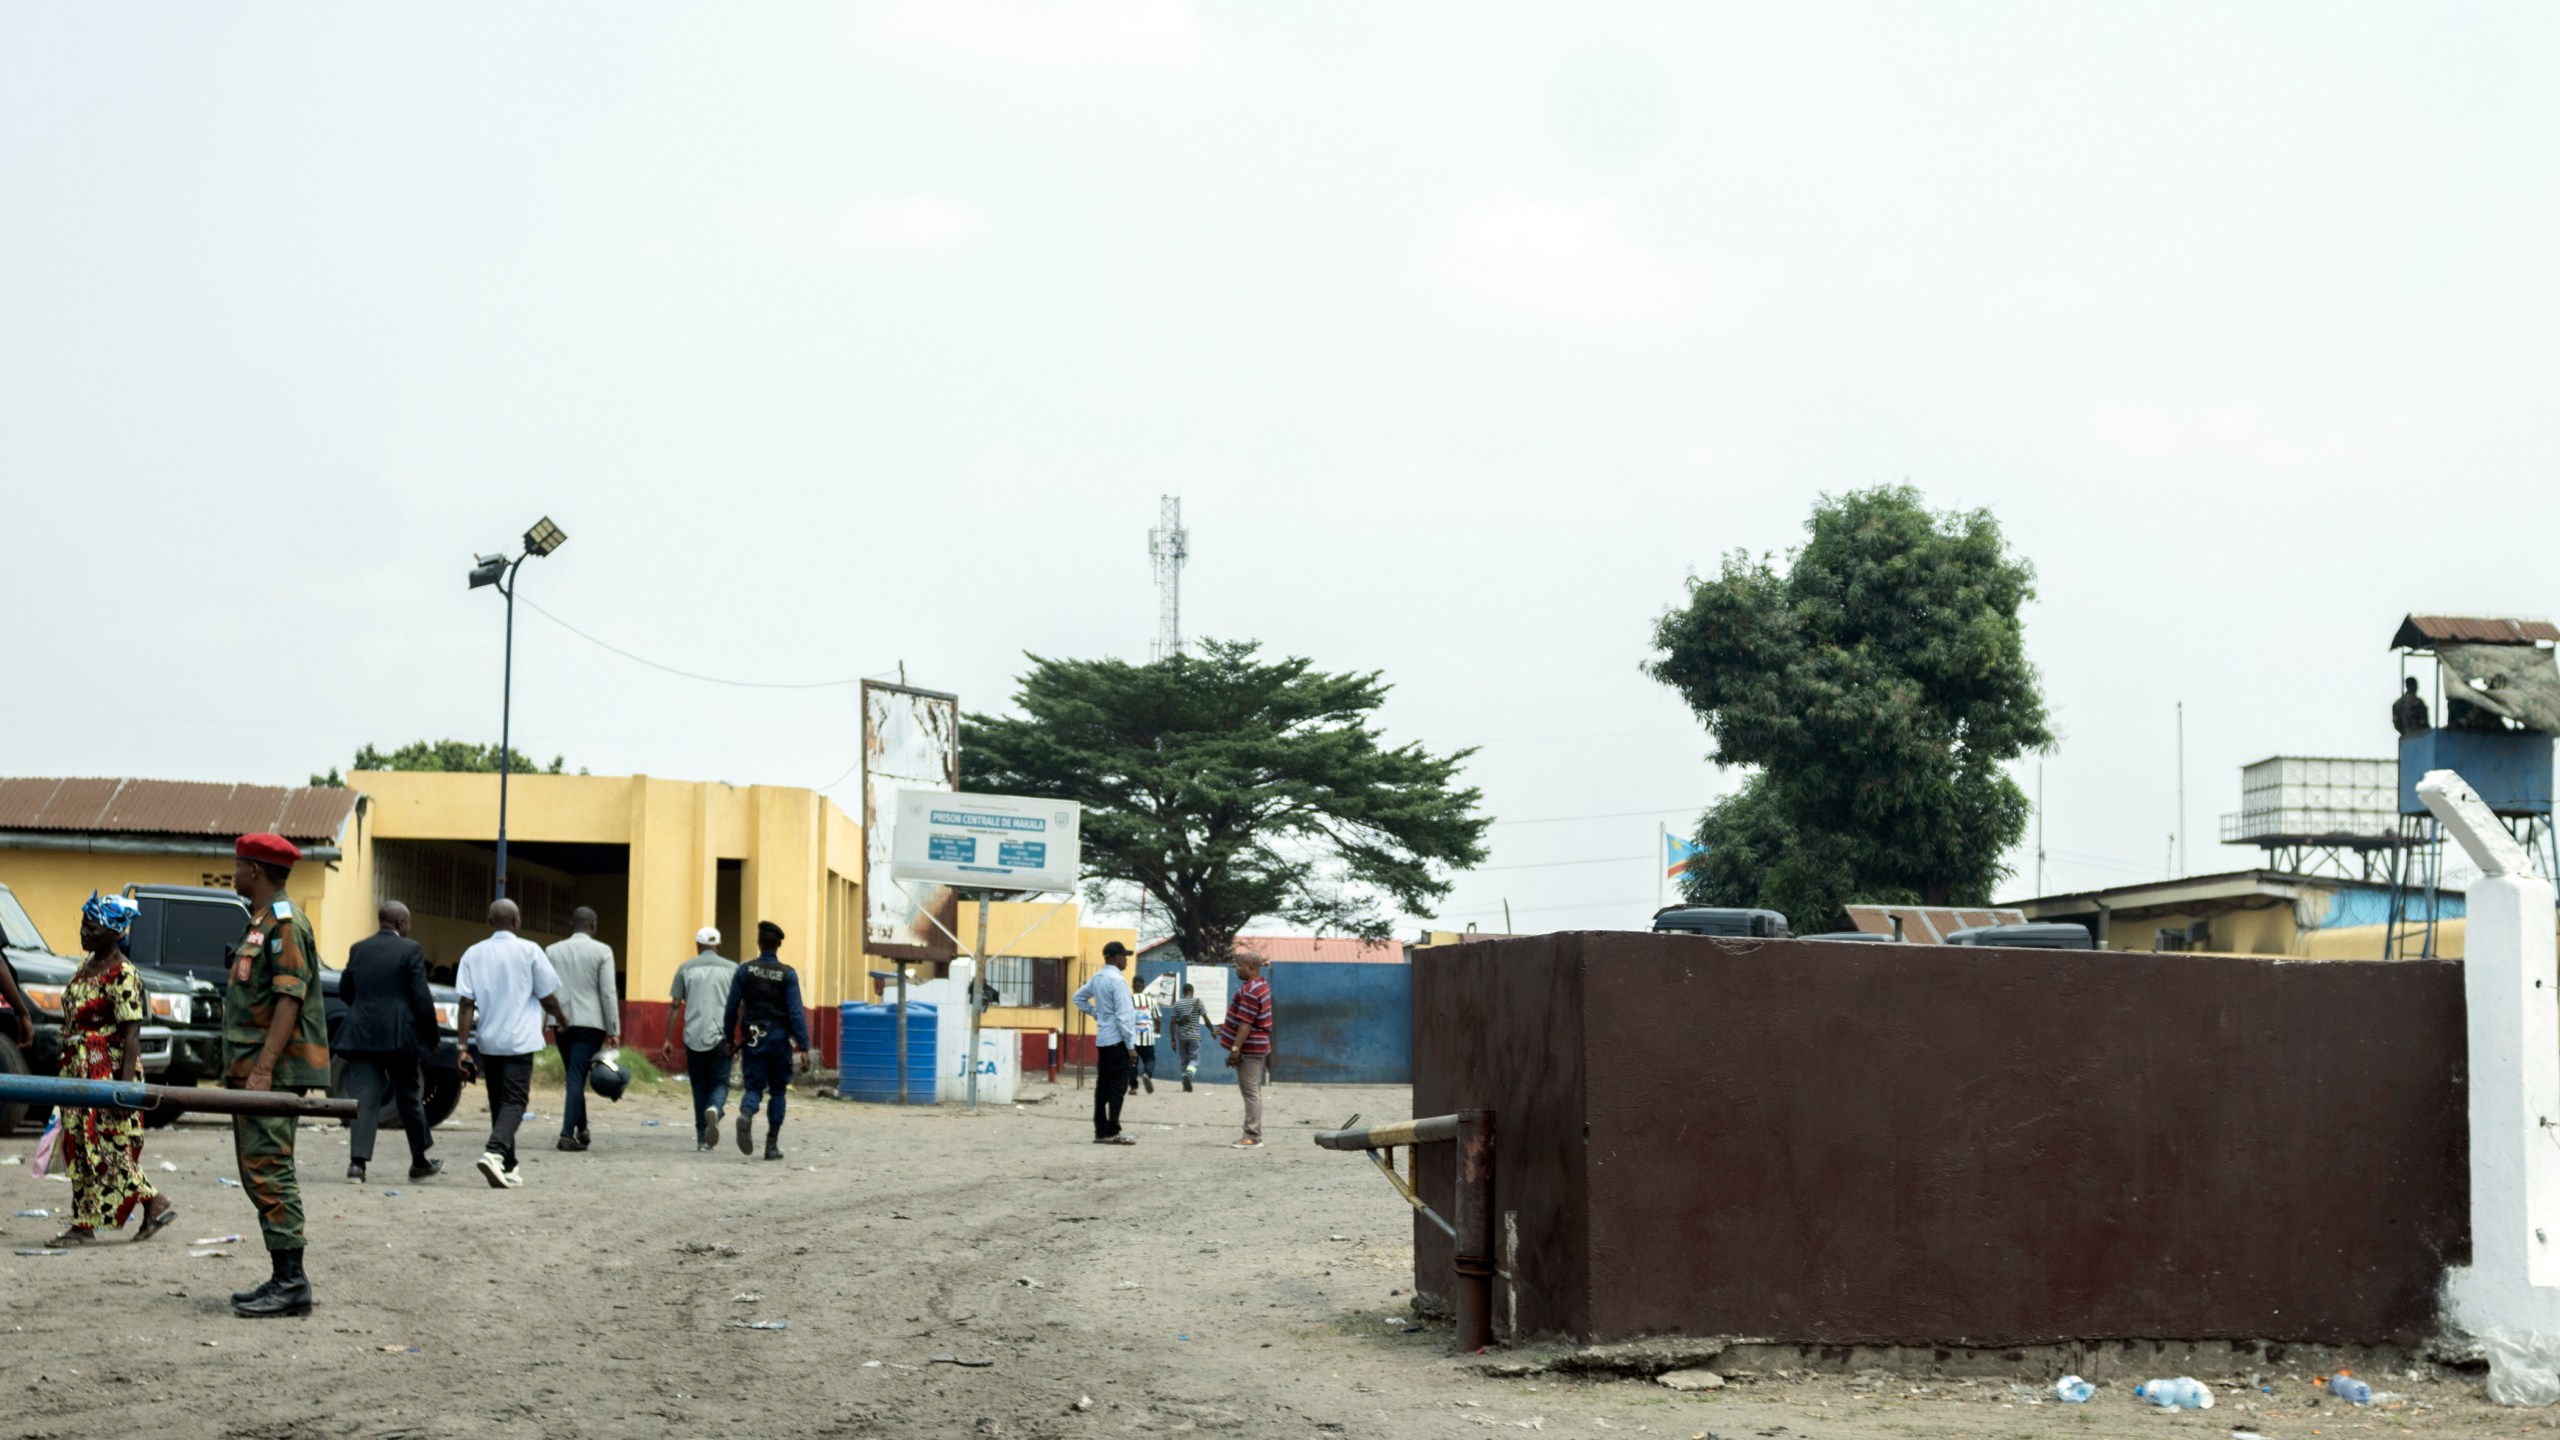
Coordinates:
(845, 338)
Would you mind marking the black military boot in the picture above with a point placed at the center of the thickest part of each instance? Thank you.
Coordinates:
(746, 1132)
(773, 1144)
(289, 1293)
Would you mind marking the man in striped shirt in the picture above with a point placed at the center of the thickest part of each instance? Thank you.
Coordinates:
(1246, 1035)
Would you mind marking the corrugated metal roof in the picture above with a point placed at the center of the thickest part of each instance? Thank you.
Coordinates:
(1929, 924)
(2419, 632)
(174, 807)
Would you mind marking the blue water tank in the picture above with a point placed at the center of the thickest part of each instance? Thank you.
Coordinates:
(867, 1053)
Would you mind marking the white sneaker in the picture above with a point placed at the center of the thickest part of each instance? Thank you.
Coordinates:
(512, 1179)
(493, 1168)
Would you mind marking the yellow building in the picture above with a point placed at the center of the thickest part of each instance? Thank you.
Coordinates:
(656, 860)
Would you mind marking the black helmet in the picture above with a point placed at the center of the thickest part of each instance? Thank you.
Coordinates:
(607, 1075)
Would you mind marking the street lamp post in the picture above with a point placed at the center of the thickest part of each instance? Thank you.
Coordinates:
(500, 571)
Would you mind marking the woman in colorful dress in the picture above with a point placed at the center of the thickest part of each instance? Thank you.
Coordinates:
(102, 1040)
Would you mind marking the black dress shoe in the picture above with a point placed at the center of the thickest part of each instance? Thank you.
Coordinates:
(572, 1142)
(425, 1169)
(746, 1134)
(355, 1172)
(772, 1151)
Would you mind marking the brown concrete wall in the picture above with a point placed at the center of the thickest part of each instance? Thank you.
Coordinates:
(1906, 1145)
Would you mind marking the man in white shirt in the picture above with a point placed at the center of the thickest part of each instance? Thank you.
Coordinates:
(1105, 997)
(594, 1010)
(507, 984)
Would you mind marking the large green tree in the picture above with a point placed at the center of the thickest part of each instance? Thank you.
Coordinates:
(1230, 789)
(1875, 687)
(459, 755)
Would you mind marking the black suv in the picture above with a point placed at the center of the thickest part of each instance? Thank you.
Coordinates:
(181, 1039)
(190, 931)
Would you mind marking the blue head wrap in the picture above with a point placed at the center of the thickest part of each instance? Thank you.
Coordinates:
(114, 912)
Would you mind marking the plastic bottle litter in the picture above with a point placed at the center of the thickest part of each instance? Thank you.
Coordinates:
(2072, 1390)
(219, 1240)
(33, 1215)
(2183, 1393)
(226, 1180)
(2347, 1387)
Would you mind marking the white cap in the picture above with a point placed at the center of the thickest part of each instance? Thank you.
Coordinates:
(707, 935)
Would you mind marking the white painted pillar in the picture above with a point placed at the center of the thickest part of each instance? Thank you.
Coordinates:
(2511, 988)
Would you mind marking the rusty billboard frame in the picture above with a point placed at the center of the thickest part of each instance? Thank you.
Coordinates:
(910, 739)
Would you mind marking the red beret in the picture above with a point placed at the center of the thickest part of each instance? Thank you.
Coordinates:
(273, 849)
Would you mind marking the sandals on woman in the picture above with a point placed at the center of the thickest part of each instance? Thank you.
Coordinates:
(73, 1236)
(153, 1224)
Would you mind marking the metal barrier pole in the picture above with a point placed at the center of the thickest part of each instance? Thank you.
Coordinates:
(1472, 1132)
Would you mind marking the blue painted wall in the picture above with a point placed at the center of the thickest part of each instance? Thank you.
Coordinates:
(2511, 769)
(1334, 1025)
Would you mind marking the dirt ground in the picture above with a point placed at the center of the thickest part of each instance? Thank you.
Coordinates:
(1179, 1286)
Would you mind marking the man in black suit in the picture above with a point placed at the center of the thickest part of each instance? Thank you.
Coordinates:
(389, 1028)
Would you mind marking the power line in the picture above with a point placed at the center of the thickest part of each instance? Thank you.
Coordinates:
(1613, 815)
(1552, 864)
(688, 674)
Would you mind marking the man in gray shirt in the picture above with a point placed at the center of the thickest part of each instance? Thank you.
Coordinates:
(594, 1009)
(701, 996)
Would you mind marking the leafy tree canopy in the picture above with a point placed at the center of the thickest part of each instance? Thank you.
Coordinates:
(1230, 789)
(453, 755)
(1875, 686)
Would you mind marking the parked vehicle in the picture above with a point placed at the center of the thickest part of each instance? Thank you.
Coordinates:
(190, 930)
(181, 1039)
(2054, 935)
(1717, 920)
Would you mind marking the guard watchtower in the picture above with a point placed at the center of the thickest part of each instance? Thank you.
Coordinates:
(2496, 692)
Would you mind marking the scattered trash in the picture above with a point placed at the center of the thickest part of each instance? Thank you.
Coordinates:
(12, 1160)
(219, 1240)
(34, 1215)
(169, 1166)
(390, 1194)
(870, 1364)
(399, 1349)
(651, 1124)
(213, 1344)
(2247, 1435)
(208, 1254)
(1690, 1380)
(1181, 1337)
(2183, 1393)
(226, 1180)
(1534, 1422)
(894, 1215)
(759, 1325)
(1084, 1402)
(1126, 1285)
(1027, 1283)
(1337, 1237)
(746, 1297)
(46, 1253)
(2073, 1390)
(962, 1361)
(2524, 1367)
(2347, 1387)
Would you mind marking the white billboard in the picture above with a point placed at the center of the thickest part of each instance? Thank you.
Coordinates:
(986, 842)
(910, 743)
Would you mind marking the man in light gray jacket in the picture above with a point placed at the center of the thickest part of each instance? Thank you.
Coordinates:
(593, 1005)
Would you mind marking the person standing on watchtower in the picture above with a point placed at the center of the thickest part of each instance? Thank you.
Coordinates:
(274, 1037)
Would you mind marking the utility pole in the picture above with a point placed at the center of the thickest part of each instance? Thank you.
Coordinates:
(2182, 787)
(2039, 827)
(1169, 545)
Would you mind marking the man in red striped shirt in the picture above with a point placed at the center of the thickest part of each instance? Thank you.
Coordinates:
(1246, 1034)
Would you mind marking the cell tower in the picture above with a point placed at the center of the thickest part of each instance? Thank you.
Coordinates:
(1170, 545)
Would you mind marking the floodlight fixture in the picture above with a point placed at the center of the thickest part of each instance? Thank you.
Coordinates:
(487, 570)
(544, 537)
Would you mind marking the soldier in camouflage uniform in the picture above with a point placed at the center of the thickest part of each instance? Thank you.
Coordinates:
(274, 1037)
